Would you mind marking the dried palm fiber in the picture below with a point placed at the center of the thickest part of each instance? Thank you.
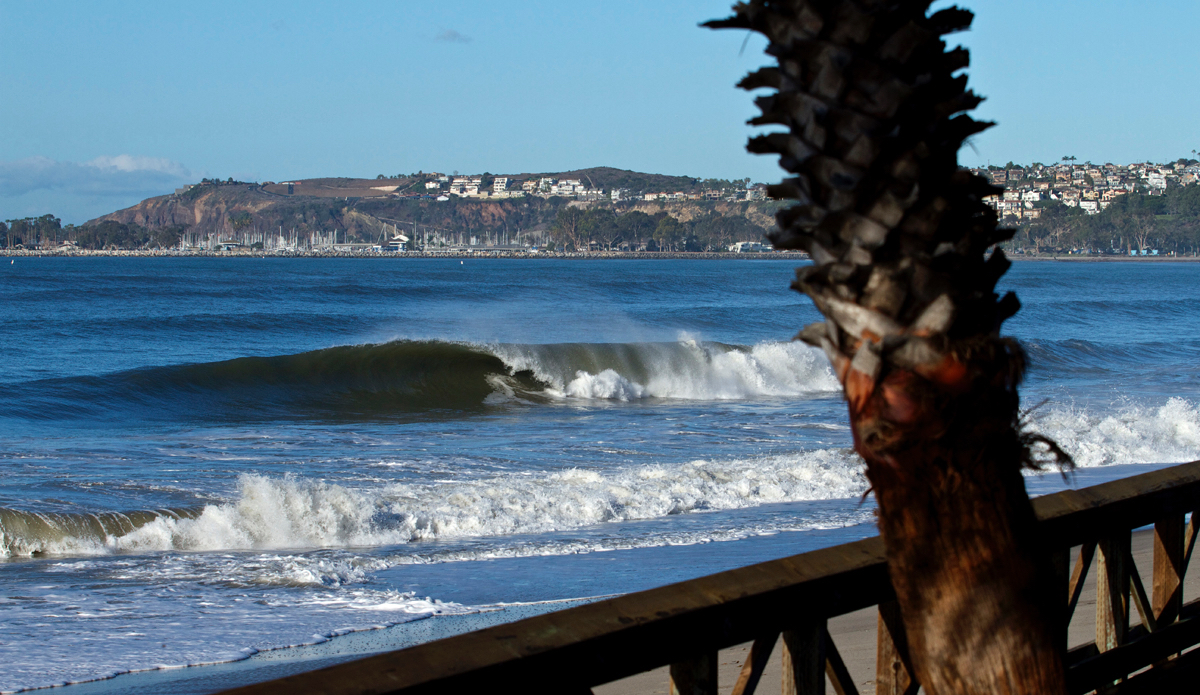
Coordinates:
(899, 236)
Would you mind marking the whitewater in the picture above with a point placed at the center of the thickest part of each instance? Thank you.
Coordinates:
(206, 459)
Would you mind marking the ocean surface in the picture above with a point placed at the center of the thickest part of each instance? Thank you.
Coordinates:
(207, 458)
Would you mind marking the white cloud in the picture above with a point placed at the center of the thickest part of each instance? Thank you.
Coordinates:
(129, 163)
(78, 191)
(107, 176)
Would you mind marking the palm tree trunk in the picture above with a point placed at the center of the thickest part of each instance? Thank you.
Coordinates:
(899, 236)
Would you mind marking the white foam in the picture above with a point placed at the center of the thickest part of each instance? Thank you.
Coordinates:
(289, 512)
(688, 369)
(1169, 433)
(607, 384)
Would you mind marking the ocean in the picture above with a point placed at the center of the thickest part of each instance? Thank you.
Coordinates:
(209, 458)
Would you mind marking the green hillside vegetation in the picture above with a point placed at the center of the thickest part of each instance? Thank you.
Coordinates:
(1169, 222)
(606, 178)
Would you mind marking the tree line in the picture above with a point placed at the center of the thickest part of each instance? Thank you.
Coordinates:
(47, 231)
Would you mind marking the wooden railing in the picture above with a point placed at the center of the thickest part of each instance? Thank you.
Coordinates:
(684, 625)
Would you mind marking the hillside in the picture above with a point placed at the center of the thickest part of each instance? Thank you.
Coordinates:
(609, 178)
(1161, 223)
(363, 210)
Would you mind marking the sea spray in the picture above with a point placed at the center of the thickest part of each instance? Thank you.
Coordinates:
(688, 369)
(1169, 433)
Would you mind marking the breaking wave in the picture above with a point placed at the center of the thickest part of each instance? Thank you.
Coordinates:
(294, 513)
(418, 376)
(1169, 433)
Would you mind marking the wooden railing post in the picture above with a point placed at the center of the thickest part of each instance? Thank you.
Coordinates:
(1112, 592)
(804, 659)
(1167, 593)
(697, 676)
(893, 670)
(1060, 564)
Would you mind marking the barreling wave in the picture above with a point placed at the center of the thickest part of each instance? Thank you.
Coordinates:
(293, 513)
(414, 376)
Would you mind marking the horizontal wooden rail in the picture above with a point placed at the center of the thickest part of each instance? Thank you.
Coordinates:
(685, 624)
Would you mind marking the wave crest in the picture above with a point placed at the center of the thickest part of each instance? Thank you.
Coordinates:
(421, 376)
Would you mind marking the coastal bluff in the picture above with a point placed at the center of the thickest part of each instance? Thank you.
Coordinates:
(488, 210)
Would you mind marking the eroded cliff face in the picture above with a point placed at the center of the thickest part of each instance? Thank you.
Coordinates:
(205, 209)
(760, 214)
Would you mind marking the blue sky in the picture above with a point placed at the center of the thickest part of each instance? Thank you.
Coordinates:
(103, 104)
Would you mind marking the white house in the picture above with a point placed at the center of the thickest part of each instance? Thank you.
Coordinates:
(500, 183)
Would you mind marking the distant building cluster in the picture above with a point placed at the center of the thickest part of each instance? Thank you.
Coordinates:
(546, 187)
(756, 192)
(1090, 187)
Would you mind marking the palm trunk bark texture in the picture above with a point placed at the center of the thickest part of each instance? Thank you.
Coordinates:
(872, 109)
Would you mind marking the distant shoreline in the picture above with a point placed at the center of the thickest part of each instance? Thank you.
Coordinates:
(476, 254)
(525, 255)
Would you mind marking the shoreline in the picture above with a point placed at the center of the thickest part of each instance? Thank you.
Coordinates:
(455, 254)
(481, 254)
(597, 571)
